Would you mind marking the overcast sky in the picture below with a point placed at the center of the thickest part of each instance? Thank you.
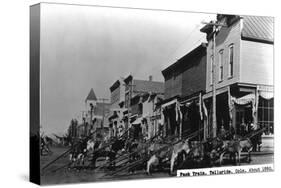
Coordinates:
(84, 47)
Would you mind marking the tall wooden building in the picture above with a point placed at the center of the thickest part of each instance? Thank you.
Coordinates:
(243, 72)
(185, 83)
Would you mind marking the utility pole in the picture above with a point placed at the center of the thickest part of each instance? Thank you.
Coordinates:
(84, 125)
(129, 101)
(91, 115)
(213, 60)
(214, 83)
(103, 103)
(130, 97)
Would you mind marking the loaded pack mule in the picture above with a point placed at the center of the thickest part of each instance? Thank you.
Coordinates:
(109, 152)
(235, 147)
(78, 154)
(203, 153)
(181, 148)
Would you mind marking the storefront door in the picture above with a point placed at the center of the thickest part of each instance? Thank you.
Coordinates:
(243, 119)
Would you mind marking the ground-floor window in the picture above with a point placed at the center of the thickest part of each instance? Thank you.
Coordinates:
(265, 115)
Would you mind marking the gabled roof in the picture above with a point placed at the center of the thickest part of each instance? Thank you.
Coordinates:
(258, 28)
(91, 96)
(255, 28)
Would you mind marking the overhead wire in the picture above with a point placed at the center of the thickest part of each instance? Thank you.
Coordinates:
(170, 56)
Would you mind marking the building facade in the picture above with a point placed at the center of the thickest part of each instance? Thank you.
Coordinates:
(185, 83)
(117, 95)
(146, 115)
(240, 70)
(140, 100)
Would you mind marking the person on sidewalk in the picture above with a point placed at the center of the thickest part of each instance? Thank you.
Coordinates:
(254, 139)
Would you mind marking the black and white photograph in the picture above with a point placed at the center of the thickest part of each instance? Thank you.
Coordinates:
(119, 93)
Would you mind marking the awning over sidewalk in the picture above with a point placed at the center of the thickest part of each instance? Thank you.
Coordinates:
(250, 98)
(169, 103)
(137, 121)
(266, 95)
(247, 99)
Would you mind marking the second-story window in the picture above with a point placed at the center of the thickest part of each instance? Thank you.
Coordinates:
(220, 65)
(211, 68)
(231, 54)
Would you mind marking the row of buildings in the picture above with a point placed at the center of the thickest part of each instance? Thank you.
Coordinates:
(233, 70)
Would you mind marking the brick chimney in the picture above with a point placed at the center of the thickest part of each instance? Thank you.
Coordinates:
(150, 78)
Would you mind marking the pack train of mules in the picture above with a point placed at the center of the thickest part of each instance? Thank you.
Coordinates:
(122, 155)
(193, 154)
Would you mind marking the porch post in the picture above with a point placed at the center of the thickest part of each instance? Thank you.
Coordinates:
(180, 119)
(163, 122)
(231, 108)
(256, 107)
(206, 119)
(234, 119)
